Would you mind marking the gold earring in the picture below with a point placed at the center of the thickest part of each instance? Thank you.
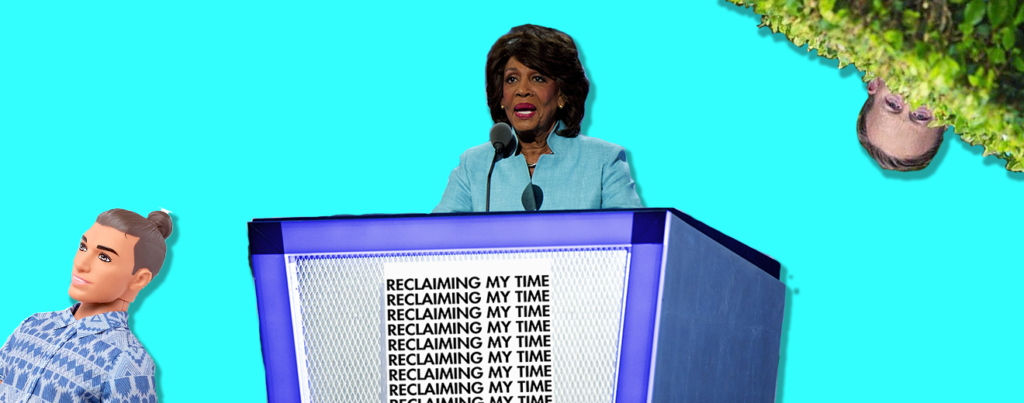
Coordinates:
(503, 107)
(559, 106)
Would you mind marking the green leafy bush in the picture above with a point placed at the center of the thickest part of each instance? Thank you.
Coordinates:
(962, 58)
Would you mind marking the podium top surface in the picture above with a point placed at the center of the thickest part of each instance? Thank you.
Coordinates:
(404, 232)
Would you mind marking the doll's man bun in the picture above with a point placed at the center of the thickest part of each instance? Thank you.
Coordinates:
(162, 221)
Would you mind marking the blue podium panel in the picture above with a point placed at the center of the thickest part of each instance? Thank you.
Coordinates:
(627, 306)
(719, 324)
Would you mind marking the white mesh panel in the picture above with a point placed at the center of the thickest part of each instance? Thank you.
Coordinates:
(340, 296)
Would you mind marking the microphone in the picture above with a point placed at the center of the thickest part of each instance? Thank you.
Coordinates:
(502, 139)
(504, 145)
(533, 196)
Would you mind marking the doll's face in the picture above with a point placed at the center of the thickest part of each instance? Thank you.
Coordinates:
(895, 128)
(103, 266)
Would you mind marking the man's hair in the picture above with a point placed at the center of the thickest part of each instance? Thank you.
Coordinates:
(883, 158)
(152, 231)
(552, 53)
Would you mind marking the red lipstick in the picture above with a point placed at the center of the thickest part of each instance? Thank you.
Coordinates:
(525, 110)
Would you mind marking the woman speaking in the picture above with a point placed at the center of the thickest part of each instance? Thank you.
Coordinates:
(535, 83)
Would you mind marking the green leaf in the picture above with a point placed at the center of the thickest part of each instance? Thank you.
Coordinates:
(996, 56)
(825, 8)
(983, 30)
(999, 11)
(895, 38)
(1009, 37)
(910, 18)
(960, 123)
(969, 48)
(975, 79)
(975, 12)
(879, 7)
(924, 49)
(966, 29)
(1020, 16)
(950, 67)
(1018, 63)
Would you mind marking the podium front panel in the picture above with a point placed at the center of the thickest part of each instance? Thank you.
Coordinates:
(329, 334)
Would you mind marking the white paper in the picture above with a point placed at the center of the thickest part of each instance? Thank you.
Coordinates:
(468, 331)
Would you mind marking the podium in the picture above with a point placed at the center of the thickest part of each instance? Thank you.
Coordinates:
(644, 305)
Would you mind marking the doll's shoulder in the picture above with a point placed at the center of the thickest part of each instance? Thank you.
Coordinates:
(132, 358)
(39, 320)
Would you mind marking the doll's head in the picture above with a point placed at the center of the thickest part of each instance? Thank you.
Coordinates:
(118, 256)
(897, 137)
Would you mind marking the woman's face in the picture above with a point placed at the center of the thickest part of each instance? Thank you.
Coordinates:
(531, 99)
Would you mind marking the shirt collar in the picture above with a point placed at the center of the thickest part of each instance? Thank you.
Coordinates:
(554, 140)
(93, 324)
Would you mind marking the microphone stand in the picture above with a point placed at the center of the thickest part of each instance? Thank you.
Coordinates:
(498, 154)
(501, 137)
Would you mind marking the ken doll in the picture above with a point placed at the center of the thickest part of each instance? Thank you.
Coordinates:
(86, 353)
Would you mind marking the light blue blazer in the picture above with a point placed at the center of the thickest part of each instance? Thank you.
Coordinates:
(581, 173)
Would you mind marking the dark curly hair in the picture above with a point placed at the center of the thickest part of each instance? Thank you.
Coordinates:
(884, 159)
(552, 53)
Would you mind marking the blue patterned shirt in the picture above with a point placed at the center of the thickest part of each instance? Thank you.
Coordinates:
(54, 358)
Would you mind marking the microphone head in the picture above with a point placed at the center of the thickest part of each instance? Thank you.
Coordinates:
(502, 139)
(533, 196)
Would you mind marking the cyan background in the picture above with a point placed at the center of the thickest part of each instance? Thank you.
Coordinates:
(901, 286)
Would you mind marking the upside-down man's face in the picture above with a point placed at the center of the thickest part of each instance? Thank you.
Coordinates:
(896, 129)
